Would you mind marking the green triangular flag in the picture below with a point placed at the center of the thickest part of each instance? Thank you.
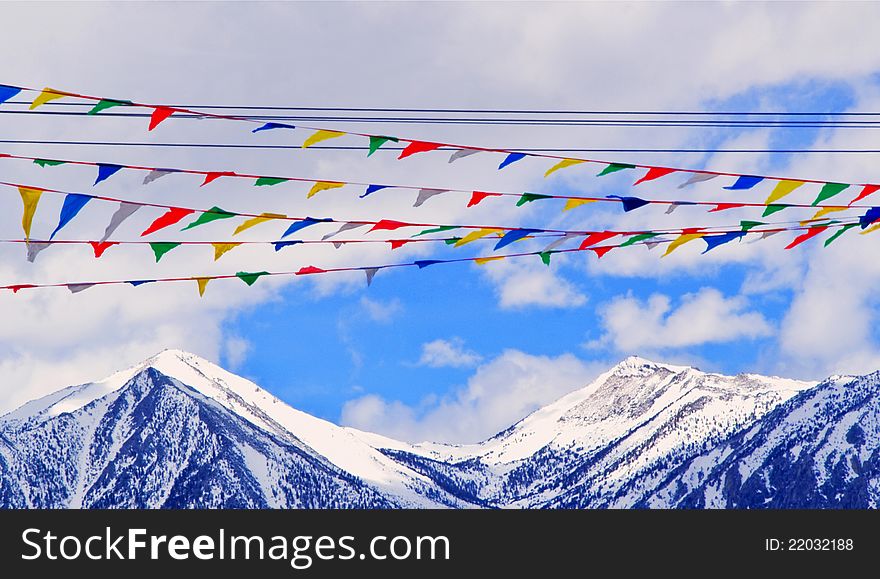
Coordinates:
(376, 142)
(638, 238)
(545, 257)
(529, 197)
(828, 191)
(105, 104)
(839, 232)
(746, 225)
(213, 214)
(250, 278)
(615, 167)
(48, 162)
(452, 240)
(269, 181)
(440, 229)
(160, 248)
(771, 209)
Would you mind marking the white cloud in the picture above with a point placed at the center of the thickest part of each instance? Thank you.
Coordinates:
(522, 284)
(381, 312)
(500, 392)
(235, 351)
(448, 354)
(703, 317)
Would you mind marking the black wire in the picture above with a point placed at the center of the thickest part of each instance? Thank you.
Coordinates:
(394, 148)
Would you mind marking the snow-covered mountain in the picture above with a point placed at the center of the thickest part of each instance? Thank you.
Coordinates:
(178, 431)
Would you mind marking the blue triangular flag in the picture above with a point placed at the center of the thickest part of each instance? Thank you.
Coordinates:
(511, 158)
(630, 203)
(713, 241)
(872, 215)
(73, 202)
(297, 225)
(423, 263)
(745, 182)
(105, 171)
(373, 189)
(270, 126)
(137, 282)
(513, 235)
(7, 92)
(281, 244)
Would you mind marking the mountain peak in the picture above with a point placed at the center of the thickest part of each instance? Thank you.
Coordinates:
(636, 365)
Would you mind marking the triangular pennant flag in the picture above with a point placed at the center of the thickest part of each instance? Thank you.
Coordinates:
(319, 136)
(99, 247)
(262, 218)
(338, 244)
(560, 241)
(425, 194)
(161, 248)
(45, 96)
(309, 269)
(212, 176)
(373, 189)
(377, 141)
(826, 210)
(766, 234)
(746, 225)
(478, 196)
(652, 244)
(511, 158)
(159, 115)
(713, 241)
(250, 277)
(34, 248)
(574, 202)
(600, 251)
(866, 190)
(7, 92)
(170, 217)
(397, 243)
(344, 227)
(562, 165)
(105, 104)
(630, 203)
(451, 240)
(388, 225)
(29, 199)
(485, 260)
(596, 237)
(681, 240)
(744, 182)
(268, 181)
(122, 213)
(871, 229)
(529, 197)
(839, 232)
(139, 282)
(475, 235)
(461, 154)
(75, 288)
(220, 249)
(828, 191)
(545, 257)
(15, 288)
(614, 168)
(672, 207)
(870, 216)
(654, 173)
(279, 245)
(808, 234)
(698, 178)
(73, 203)
(726, 206)
(637, 238)
(156, 174)
(323, 186)
(423, 263)
(105, 171)
(512, 236)
(782, 189)
(48, 162)
(212, 214)
(771, 209)
(203, 284)
(302, 224)
(440, 229)
(370, 273)
(418, 147)
(271, 126)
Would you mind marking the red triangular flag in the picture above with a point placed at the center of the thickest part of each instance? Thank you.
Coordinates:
(691, 230)
(309, 269)
(600, 251)
(479, 196)
(159, 115)
(214, 175)
(15, 288)
(654, 173)
(418, 147)
(866, 190)
(388, 225)
(808, 234)
(395, 243)
(594, 238)
(101, 246)
(172, 216)
(725, 206)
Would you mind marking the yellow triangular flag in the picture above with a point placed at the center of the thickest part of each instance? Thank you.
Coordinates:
(221, 248)
(681, 240)
(562, 165)
(485, 260)
(257, 220)
(572, 203)
(475, 235)
(203, 283)
(319, 136)
(48, 94)
(323, 186)
(825, 211)
(874, 227)
(782, 189)
(30, 198)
